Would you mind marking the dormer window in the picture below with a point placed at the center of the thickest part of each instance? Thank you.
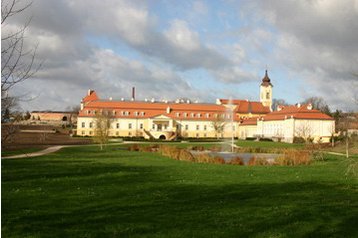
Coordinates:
(192, 114)
(207, 115)
(177, 114)
(199, 115)
(122, 113)
(142, 114)
(185, 114)
(136, 113)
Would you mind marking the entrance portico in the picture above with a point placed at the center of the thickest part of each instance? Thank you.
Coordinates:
(161, 127)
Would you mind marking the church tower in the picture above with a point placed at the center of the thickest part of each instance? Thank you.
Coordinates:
(266, 91)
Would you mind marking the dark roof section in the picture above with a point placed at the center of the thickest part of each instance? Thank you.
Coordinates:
(266, 81)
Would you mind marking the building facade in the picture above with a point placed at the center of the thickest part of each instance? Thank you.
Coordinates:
(289, 122)
(225, 118)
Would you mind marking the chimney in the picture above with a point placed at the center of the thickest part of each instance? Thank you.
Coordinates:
(133, 93)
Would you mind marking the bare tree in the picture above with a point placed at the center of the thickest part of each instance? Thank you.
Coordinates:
(102, 126)
(278, 102)
(304, 130)
(332, 130)
(17, 62)
(219, 125)
(318, 103)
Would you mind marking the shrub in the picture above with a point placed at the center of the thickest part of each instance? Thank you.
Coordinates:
(236, 161)
(206, 158)
(133, 147)
(294, 157)
(198, 148)
(258, 161)
(299, 140)
(185, 155)
(217, 160)
(203, 158)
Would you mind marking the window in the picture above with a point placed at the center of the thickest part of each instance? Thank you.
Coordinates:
(141, 126)
(129, 125)
(90, 132)
(117, 133)
(114, 112)
(197, 127)
(204, 134)
(204, 127)
(165, 126)
(83, 133)
(207, 115)
(129, 133)
(177, 114)
(153, 126)
(91, 125)
(83, 124)
(122, 113)
(192, 114)
(267, 95)
(197, 135)
(142, 114)
(136, 113)
(88, 112)
(199, 115)
(117, 125)
(186, 127)
(185, 114)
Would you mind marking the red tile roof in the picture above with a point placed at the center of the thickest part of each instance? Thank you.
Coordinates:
(246, 106)
(200, 111)
(297, 112)
(134, 109)
(92, 96)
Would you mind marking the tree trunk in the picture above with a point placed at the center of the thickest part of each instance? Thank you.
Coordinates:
(347, 145)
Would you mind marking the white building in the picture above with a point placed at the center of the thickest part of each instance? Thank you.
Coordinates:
(289, 122)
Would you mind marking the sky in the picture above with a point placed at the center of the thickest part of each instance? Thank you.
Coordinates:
(200, 50)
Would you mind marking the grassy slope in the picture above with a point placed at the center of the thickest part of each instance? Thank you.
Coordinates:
(82, 192)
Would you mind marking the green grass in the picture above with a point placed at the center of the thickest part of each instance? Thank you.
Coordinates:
(20, 151)
(83, 192)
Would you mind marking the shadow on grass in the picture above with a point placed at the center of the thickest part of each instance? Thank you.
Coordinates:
(93, 199)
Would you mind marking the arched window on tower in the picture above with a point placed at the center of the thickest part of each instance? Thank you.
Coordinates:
(267, 95)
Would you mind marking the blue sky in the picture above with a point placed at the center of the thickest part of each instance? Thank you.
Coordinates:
(198, 49)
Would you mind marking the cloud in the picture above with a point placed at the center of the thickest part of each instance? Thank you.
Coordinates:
(317, 41)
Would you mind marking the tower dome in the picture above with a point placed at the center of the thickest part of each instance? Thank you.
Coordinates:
(266, 81)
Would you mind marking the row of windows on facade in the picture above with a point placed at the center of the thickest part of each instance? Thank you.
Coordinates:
(177, 114)
(123, 113)
(139, 134)
(130, 126)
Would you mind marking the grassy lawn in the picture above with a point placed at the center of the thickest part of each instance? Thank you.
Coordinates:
(83, 192)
